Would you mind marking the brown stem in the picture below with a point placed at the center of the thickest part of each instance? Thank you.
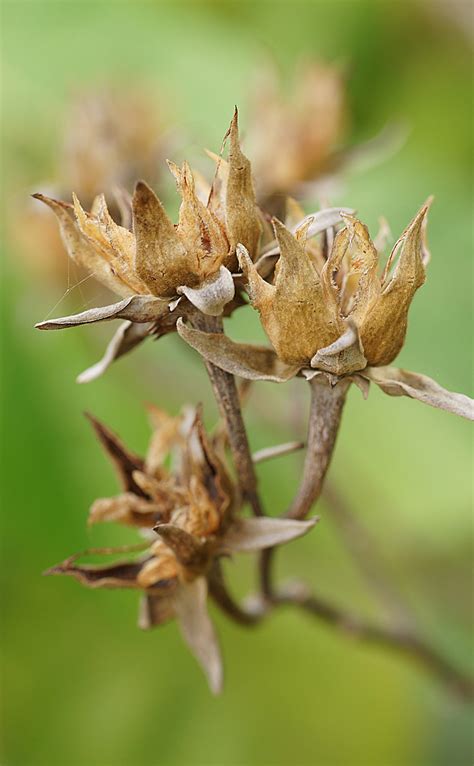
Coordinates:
(227, 395)
(324, 420)
(325, 413)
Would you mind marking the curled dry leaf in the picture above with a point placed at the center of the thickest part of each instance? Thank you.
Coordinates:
(190, 607)
(138, 308)
(213, 294)
(250, 362)
(396, 382)
(265, 532)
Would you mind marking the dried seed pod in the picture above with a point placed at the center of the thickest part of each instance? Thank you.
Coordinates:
(191, 507)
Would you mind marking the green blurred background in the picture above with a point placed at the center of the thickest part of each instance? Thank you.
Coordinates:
(82, 686)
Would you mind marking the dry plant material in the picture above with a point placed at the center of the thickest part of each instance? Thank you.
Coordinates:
(333, 318)
(189, 514)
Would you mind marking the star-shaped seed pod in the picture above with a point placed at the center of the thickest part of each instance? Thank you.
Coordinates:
(155, 262)
(334, 317)
(189, 514)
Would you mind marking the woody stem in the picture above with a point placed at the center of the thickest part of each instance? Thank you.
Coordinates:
(325, 413)
(324, 419)
(227, 396)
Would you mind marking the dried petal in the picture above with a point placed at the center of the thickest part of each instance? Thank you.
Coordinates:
(120, 575)
(162, 261)
(187, 548)
(261, 293)
(344, 356)
(81, 250)
(212, 295)
(138, 308)
(251, 362)
(258, 533)
(383, 331)
(127, 337)
(199, 229)
(361, 287)
(318, 222)
(154, 610)
(190, 607)
(124, 461)
(297, 316)
(242, 218)
(127, 508)
(113, 243)
(396, 382)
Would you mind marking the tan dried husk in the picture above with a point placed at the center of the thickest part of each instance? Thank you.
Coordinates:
(309, 312)
(158, 258)
(192, 506)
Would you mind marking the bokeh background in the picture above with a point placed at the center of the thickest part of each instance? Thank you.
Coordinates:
(82, 686)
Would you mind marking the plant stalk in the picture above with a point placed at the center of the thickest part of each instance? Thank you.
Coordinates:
(228, 399)
(325, 414)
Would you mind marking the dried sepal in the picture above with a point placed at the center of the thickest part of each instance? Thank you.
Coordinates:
(242, 218)
(212, 294)
(137, 308)
(186, 547)
(190, 607)
(342, 357)
(127, 508)
(166, 435)
(319, 221)
(161, 260)
(124, 461)
(199, 229)
(384, 329)
(115, 244)
(297, 315)
(154, 611)
(119, 575)
(397, 382)
(244, 360)
(258, 533)
(81, 250)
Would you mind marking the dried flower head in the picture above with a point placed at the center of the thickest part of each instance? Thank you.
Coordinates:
(332, 314)
(192, 508)
(155, 262)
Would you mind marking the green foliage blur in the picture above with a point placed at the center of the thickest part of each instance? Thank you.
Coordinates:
(82, 686)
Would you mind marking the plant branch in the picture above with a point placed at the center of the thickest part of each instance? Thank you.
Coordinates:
(227, 396)
(325, 414)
